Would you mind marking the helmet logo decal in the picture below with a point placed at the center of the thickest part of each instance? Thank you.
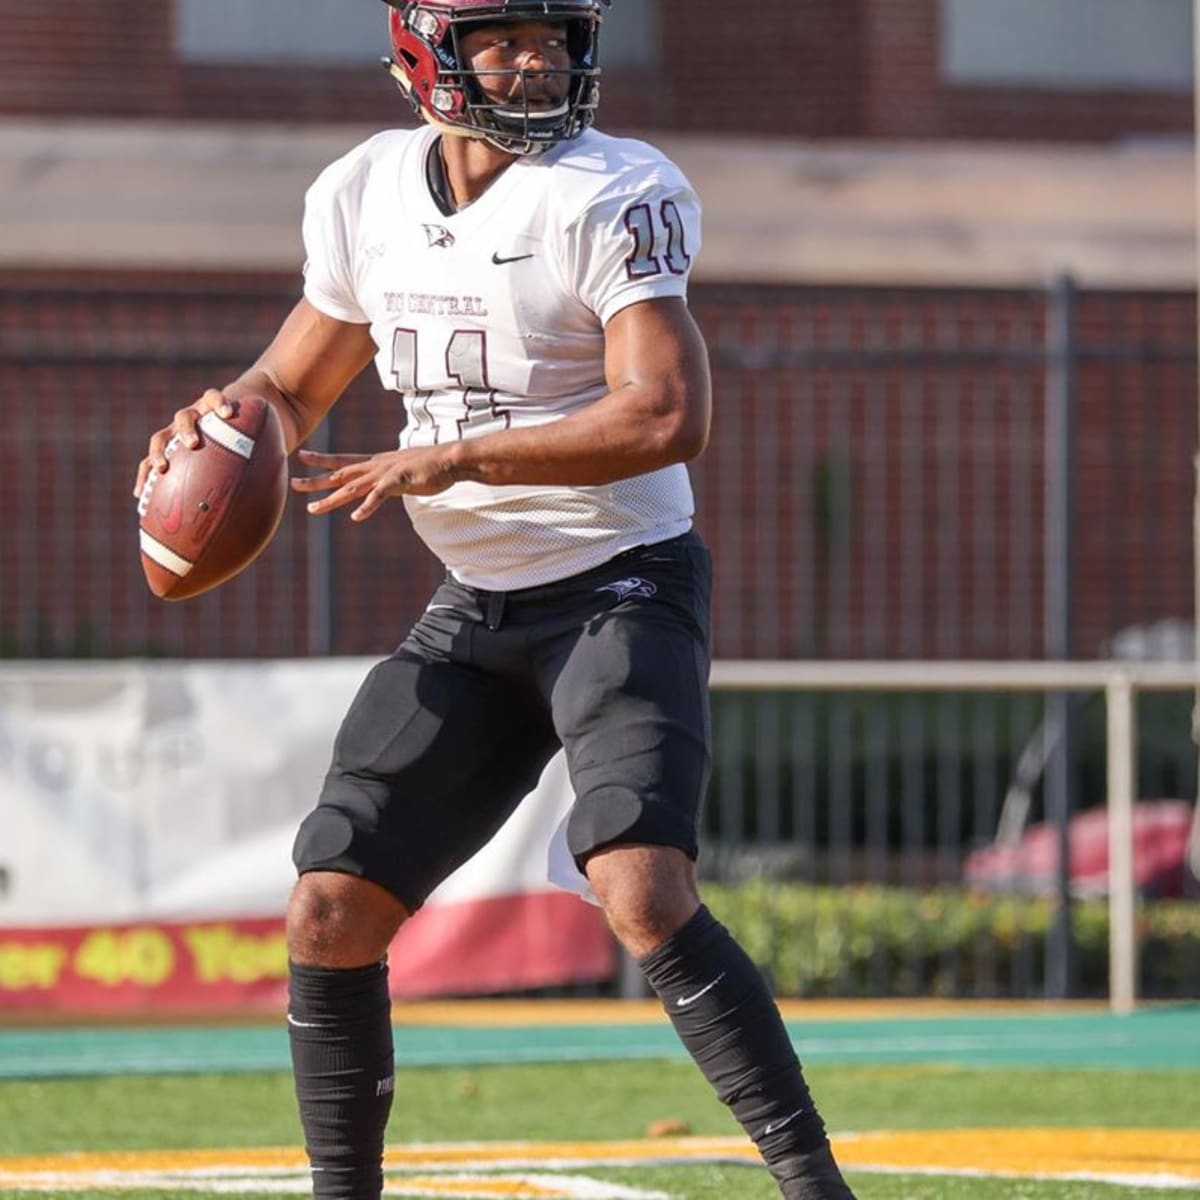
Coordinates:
(425, 23)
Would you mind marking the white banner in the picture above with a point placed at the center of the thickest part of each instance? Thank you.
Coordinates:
(173, 790)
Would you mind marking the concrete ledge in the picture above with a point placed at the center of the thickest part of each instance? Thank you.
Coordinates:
(155, 195)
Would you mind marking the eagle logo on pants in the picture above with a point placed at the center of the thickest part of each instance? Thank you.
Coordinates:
(624, 588)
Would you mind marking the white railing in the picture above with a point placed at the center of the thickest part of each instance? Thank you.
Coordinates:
(1119, 681)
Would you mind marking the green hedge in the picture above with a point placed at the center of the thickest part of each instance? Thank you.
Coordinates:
(878, 941)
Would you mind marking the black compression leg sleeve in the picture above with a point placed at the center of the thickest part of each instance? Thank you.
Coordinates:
(340, 1027)
(721, 1008)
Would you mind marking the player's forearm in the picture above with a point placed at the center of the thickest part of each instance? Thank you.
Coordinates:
(309, 364)
(629, 432)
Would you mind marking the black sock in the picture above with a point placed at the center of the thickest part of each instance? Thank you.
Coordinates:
(720, 1006)
(340, 1027)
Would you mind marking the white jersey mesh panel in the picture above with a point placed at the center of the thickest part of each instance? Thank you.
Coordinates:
(529, 536)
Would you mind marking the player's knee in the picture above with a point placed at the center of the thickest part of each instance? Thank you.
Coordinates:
(340, 921)
(648, 893)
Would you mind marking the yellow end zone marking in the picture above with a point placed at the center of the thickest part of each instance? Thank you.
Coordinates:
(432, 1156)
(465, 1187)
(516, 1013)
(1137, 1157)
(1124, 1154)
(471, 1187)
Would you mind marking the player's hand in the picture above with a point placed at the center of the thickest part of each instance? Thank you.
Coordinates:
(182, 427)
(369, 479)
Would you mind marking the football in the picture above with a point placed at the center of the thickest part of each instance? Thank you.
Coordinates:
(217, 506)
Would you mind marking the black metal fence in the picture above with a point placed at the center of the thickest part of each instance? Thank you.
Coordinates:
(916, 473)
(920, 473)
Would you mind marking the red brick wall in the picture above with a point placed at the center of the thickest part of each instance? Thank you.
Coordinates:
(874, 485)
(806, 68)
(901, 77)
(87, 57)
(795, 68)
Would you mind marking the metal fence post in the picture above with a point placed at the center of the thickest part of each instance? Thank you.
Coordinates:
(1122, 777)
(1194, 841)
(319, 538)
(1059, 495)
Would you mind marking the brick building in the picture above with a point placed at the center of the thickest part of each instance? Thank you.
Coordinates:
(873, 287)
(1085, 70)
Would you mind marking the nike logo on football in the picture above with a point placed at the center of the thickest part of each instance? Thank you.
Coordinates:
(171, 520)
(688, 1001)
(499, 261)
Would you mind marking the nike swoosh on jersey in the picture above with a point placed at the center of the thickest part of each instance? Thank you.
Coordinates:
(500, 261)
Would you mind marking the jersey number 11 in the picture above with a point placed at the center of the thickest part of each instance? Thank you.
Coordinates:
(466, 362)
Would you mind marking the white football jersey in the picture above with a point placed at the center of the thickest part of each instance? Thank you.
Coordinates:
(493, 318)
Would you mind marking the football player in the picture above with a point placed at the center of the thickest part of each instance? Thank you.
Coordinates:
(520, 280)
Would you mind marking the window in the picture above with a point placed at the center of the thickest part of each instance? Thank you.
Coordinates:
(1069, 45)
(336, 33)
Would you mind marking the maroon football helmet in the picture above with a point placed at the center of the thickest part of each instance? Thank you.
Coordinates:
(428, 64)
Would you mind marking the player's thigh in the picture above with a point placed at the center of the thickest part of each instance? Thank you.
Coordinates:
(630, 705)
(430, 761)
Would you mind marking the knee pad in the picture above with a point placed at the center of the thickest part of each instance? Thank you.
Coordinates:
(323, 841)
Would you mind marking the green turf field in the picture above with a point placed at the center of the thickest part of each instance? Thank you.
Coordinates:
(600, 1102)
(604, 1101)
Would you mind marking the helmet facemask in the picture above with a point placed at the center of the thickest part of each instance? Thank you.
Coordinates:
(432, 70)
